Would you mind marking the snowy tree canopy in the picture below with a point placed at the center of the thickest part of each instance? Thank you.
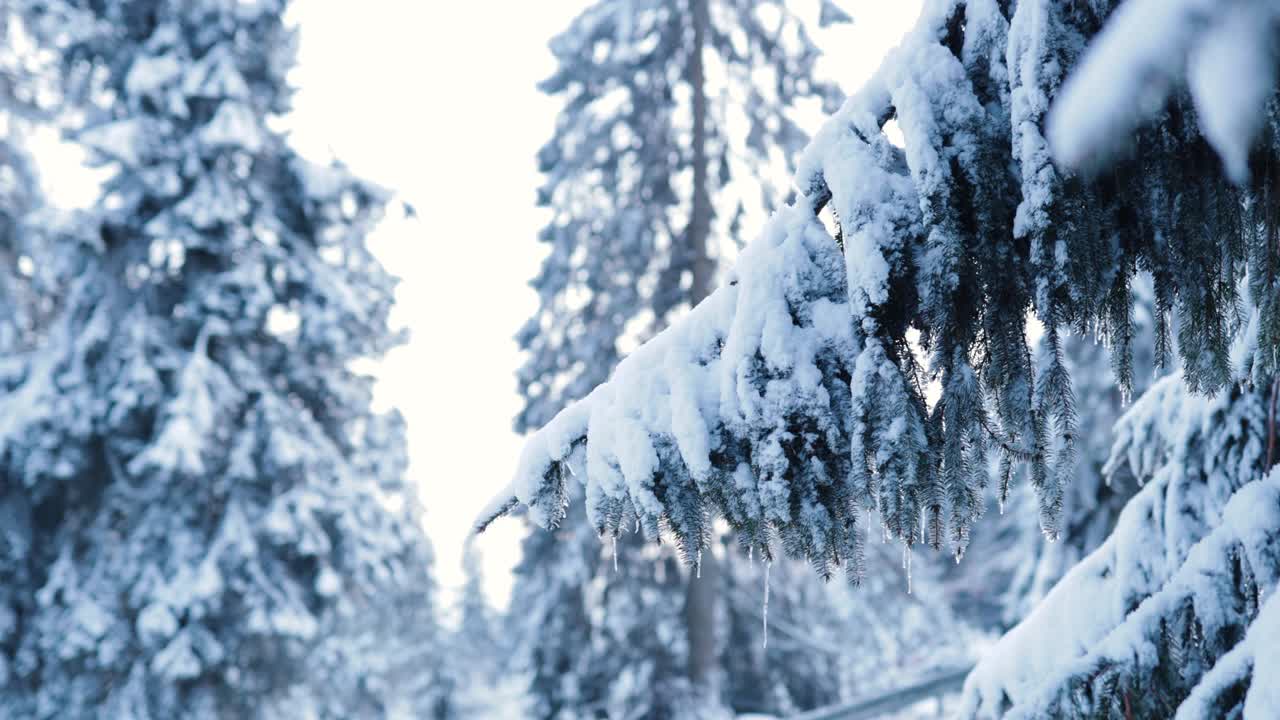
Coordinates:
(195, 490)
(798, 394)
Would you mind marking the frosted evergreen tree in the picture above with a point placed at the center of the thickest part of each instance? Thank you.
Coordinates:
(814, 644)
(22, 321)
(194, 487)
(417, 676)
(19, 198)
(548, 619)
(1092, 504)
(643, 621)
(598, 641)
(477, 634)
(384, 652)
(642, 119)
(27, 223)
(796, 399)
(1169, 617)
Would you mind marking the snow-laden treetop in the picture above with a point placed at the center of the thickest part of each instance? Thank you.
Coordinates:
(799, 393)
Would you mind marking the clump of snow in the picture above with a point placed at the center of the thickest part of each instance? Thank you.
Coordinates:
(1232, 74)
(189, 422)
(233, 125)
(216, 76)
(871, 190)
(156, 622)
(120, 140)
(150, 73)
(321, 182)
(1226, 52)
(178, 660)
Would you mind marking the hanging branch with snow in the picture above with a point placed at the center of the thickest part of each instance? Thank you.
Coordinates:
(798, 393)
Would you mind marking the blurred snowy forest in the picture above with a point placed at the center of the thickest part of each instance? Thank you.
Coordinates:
(978, 374)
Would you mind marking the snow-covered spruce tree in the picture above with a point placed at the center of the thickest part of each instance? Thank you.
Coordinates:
(384, 652)
(650, 87)
(386, 655)
(19, 197)
(22, 315)
(1167, 617)
(1091, 504)
(642, 617)
(27, 289)
(416, 674)
(477, 634)
(187, 463)
(640, 155)
(793, 399)
(548, 618)
(809, 644)
(599, 642)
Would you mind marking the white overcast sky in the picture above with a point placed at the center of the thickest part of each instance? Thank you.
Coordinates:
(438, 102)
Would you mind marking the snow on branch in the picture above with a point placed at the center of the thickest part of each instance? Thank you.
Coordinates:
(798, 395)
(740, 409)
(1214, 595)
(1223, 50)
(1183, 575)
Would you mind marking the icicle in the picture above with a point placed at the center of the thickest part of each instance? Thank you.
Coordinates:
(908, 570)
(765, 614)
(615, 554)
(1001, 500)
(697, 565)
(637, 525)
(751, 554)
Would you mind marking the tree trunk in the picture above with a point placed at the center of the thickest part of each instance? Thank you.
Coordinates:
(704, 586)
(700, 213)
(701, 599)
